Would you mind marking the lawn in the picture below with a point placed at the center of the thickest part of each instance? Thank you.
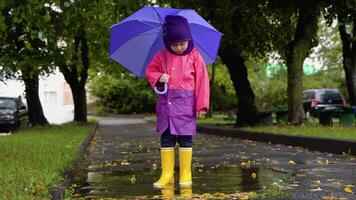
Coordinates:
(216, 120)
(31, 159)
(335, 131)
(310, 129)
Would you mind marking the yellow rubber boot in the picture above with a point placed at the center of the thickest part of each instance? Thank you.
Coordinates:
(185, 162)
(167, 162)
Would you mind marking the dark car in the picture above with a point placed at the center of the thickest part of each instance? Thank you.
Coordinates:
(13, 113)
(317, 100)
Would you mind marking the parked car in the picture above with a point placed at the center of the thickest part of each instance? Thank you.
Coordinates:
(317, 100)
(13, 113)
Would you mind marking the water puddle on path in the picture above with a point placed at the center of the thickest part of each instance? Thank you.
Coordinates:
(136, 184)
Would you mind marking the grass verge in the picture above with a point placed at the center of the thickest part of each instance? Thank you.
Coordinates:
(312, 129)
(31, 159)
(336, 131)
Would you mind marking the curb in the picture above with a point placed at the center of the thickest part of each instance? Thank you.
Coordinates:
(68, 175)
(336, 146)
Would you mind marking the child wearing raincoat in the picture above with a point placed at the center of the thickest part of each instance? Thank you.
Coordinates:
(182, 68)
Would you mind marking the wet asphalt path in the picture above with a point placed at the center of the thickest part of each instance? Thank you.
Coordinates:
(124, 162)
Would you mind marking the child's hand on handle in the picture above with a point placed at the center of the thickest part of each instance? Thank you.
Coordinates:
(164, 78)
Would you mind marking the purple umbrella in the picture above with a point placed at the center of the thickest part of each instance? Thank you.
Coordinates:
(135, 40)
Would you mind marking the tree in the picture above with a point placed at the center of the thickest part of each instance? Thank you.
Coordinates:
(304, 15)
(298, 50)
(82, 29)
(23, 50)
(346, 16)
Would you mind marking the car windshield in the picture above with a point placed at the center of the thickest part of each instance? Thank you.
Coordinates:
(331, 95)
(7, 103)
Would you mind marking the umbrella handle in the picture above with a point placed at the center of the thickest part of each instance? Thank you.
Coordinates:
(161, 92)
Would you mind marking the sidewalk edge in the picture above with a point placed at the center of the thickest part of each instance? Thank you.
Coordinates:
(68, 175)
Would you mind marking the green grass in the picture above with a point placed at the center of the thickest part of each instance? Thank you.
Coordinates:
(311, 129)
(335, 131)
(216, 120)
(270, 192)
(31, 159)
(151, 118)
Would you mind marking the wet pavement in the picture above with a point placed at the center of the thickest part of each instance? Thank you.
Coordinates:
(124, 161)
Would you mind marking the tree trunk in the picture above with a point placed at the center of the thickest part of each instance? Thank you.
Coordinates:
(77, 79)
(298, 50)
(246, 110)
(78, 92)
(349, 59)
(35, 112)
(80, 102)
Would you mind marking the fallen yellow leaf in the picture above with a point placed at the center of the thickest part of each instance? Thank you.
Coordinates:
(133, 179)
(316, 182)
(124, 162)
(348, 190)
(253, 175)
(315, 190)
(292, 162)
(336, 183)
(333, 198)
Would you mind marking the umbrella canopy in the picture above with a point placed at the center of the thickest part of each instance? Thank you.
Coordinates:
(135, 40)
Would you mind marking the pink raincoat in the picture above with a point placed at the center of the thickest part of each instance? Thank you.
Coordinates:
(188, 90)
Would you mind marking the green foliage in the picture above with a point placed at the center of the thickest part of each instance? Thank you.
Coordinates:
(245, 24)
(123, 93)
(120, 92)
(329, 54)
(270, 92)
(223, 93)
(22, 38)
(329, 51)
(223, 98)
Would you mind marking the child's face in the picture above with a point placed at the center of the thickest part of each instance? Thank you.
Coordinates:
(179, 47)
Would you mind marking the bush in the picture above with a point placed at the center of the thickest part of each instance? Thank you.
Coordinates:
(123, 93)
(223, 99)
(223, 94)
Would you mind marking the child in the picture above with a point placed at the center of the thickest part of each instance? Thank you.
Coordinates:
(181, 66)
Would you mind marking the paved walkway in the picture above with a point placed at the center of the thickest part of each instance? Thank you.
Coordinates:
(124, 162)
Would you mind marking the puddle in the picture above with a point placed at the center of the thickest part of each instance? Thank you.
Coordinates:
(206, 179)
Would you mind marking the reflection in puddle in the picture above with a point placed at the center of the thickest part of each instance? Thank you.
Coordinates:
(206, 179)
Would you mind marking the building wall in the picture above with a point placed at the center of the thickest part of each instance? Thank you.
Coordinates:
(67, 97)
(53, 89)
